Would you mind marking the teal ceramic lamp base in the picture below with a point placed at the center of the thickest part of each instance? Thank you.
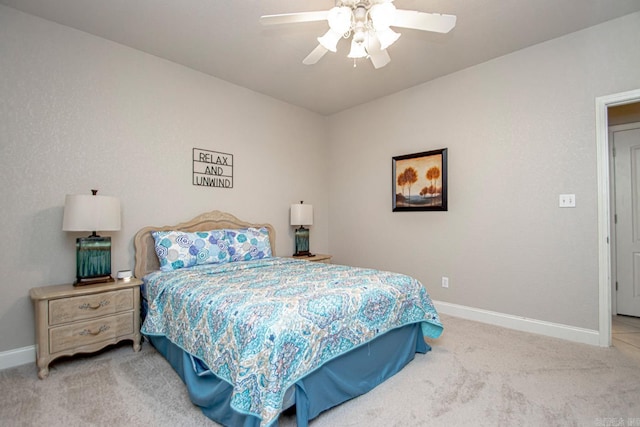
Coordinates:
(302, 242)
(93, 260)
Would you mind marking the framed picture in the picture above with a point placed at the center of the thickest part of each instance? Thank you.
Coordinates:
(420, 181)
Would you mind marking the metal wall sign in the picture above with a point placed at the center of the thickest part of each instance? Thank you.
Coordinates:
(212, 168)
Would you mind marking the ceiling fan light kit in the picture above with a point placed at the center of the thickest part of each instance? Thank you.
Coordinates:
(339, 19)
(368, 24)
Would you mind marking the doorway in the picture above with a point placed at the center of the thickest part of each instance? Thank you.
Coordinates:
(624, 143)
(605, 105)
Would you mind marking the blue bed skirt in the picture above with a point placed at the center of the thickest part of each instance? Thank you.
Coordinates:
(337, 381)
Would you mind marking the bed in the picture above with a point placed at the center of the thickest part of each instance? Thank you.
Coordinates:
(252, 334)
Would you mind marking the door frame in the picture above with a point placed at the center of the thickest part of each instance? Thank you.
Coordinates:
(604, 207)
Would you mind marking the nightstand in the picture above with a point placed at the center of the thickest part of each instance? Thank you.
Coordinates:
(316, 258)
(84, 319)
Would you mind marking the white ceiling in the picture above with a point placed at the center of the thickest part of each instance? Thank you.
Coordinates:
(224, 38)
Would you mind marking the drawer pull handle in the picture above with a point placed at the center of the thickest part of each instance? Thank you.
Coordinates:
(102, 328)
(87, 306)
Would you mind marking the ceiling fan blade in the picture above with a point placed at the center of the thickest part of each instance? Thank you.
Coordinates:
(424, 21)
(293, 18)
(315, 55)
(379, 58)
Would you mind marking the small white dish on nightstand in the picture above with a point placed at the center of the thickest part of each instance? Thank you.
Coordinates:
(124, 275)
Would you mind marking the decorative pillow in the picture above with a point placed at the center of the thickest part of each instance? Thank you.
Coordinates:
(179, 249)
(248, 243)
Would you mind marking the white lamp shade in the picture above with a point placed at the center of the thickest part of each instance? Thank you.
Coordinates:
(301, 214)
(83, 212)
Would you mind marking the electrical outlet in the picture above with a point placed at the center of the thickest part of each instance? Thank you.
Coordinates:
(567, 201)
(445, 282)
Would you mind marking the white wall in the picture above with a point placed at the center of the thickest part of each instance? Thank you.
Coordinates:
(520, 130)
(78, 112)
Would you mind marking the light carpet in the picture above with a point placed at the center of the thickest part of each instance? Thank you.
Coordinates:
(476, 375)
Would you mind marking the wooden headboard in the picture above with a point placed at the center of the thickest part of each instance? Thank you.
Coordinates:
(146, 258)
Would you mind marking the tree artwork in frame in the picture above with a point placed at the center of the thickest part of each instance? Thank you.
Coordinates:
(420, 181)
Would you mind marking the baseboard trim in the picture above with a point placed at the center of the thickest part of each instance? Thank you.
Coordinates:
(524, 324)
(24, 355)
(17, 357)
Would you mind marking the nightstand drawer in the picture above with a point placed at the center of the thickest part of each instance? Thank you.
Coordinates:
(89, 306)
(83, 333)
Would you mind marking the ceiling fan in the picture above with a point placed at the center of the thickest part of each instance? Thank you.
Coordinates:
(368, 22)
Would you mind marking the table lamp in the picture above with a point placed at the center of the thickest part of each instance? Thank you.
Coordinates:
(93, 213)
(302, 215)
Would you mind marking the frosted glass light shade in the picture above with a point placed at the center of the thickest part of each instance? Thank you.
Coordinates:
(382, 15)
(339, 19)
(83, 212)
(357, 50)
(387, 37)
(301, 214)
(330, 40)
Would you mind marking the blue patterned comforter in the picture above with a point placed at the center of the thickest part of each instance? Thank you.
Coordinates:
(262, 325)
